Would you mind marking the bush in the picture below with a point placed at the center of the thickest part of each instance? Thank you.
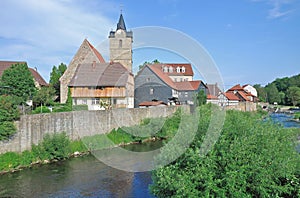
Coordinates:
(53, 147)
(7, 129)
(9, 161)
(251, 158)
(62, 108)
(42, 109)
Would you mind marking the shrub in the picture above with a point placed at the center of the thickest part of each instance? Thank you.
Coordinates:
(251, 158)
(55, 146)
(7, 129)
(41, 109)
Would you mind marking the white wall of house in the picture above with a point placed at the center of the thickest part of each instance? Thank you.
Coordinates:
(251, 89)
(102, 103)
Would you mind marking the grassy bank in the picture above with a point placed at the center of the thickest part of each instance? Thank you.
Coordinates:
(57, 147)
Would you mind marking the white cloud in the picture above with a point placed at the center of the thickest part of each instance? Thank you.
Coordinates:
(277, 10)
(48, 32)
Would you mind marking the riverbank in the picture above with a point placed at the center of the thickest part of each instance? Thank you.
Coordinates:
(58, 147)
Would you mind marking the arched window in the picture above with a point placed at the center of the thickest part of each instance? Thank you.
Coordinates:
(183, 69)
(171, 69)
(178, 69)
(120, 43)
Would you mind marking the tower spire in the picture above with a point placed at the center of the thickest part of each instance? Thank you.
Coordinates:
(121, 23)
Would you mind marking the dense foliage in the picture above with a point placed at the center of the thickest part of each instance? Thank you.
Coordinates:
(250, 159)
(18, 81)
(8, 113)
(44, 96)
(55, 75)
(284, 91)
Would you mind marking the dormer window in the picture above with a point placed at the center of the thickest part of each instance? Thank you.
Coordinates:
(183, 69)
(178, 69)
(171, 69)
(165, 69)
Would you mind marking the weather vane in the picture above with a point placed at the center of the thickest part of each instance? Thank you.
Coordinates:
(121, 8)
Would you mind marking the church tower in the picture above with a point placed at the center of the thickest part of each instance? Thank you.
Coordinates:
(120, 45)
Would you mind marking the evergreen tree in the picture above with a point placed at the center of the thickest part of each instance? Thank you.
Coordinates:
(55, 75)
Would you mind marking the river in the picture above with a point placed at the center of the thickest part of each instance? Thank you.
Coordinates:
(88, 177)
(78, 177)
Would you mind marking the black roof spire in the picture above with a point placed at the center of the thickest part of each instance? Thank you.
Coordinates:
(121, 23)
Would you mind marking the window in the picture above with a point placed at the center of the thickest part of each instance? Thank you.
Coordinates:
(148, 79)
(151, 91)
(171, 69)
(114, 101)
(186, 94)
(183, 69)
(175, 79)
(181, 79)
(95, 101)
(165, 69)
(178, 69)
(186, 79)
(120, 43)
(84, 101)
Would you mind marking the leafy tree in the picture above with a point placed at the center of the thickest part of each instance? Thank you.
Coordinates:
(272, 93)
(19, 82)
(8, 113)
(261, 92)
(200, 98)
(293, 94)
(55, 75)
(44, 96)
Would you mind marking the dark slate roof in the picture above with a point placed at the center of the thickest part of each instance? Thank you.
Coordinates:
(121, 23)
(101, 75)
(121, 26)
(37, 77)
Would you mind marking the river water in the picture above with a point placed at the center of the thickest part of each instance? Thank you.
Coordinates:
(88, 177)
(78, 177)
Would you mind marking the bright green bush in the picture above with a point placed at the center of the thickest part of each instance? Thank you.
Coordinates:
(297, 116)
(9, 160)
(54, 146)
(250, 159)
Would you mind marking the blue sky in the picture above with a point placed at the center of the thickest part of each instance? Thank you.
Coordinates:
(251, 41)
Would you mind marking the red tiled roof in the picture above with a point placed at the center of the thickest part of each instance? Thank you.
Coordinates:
(211, 97)
(231, 96)
(163, 76)
(99, 56)
(38, 77)
(100, 74)
(236, 88)
(188, 85)
(152, 103)
(6, 64)
(243, 95)
(187, 66)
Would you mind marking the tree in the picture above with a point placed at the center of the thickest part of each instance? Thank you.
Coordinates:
(200, 98)
(272, 93)
(44, 96)
(8, 114)
(55, 75)
(19, 82)
(261, 93)
(293, 94)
